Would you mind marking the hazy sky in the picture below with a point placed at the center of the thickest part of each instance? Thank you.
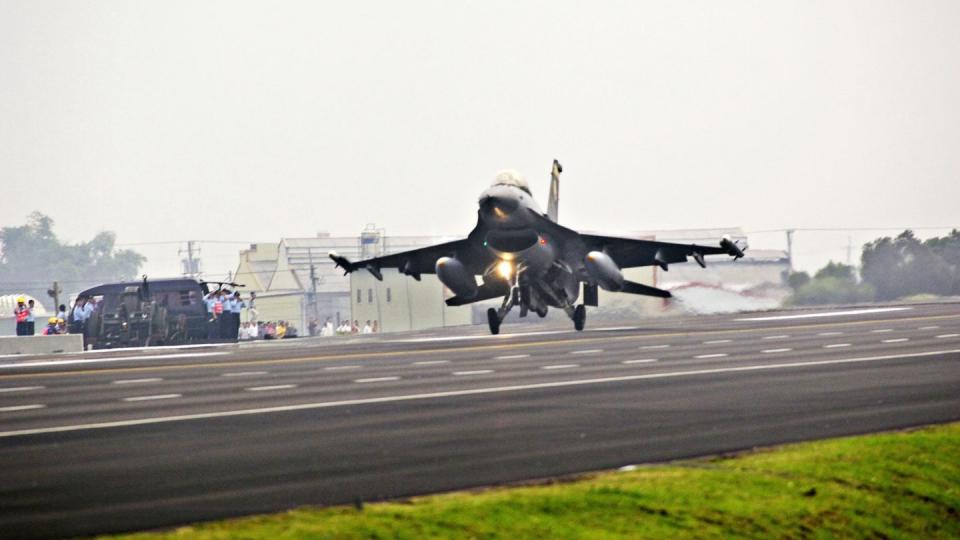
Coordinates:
(251, 121)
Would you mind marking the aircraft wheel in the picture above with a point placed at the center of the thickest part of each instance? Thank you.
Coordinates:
(579, 317)
(542, 312)
(494, 320)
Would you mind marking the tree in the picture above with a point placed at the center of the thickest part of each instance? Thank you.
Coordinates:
(798, 279)
(31, 258)
(905, 266)
(835, 283)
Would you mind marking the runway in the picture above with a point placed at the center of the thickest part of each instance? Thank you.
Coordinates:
(132, 440)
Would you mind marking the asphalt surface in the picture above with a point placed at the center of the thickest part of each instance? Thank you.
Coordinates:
(139, 439)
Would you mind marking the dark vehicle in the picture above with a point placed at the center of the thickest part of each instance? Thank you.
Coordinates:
(149, 312)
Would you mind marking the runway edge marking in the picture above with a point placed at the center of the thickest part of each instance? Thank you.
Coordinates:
(458, 393)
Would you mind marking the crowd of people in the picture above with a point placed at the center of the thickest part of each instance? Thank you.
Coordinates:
(62, 323)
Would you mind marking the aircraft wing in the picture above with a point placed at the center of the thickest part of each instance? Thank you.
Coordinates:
(630, 252)
(423, 260)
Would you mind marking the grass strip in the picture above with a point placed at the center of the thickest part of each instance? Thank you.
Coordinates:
(891, 485)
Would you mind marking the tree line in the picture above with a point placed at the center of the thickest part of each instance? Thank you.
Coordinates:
(32, 258)
(890, 268)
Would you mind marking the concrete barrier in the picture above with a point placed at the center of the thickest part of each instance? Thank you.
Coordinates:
(41, 344)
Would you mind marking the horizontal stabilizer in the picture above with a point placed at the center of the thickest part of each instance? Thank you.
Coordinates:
(486, 291)
(645, 290)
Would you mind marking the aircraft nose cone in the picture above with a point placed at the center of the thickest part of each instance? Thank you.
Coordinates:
(498, 206)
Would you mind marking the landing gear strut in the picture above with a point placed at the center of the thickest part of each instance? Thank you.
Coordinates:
(496, 316)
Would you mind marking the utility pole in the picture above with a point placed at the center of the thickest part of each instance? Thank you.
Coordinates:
(790, 249)
(849, 250)
(54, 293)
(313, 285)
(191, 265)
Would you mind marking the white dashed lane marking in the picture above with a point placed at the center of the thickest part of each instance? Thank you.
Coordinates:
(511, 357)
(21, 388)
(376, 379)
(560, 366)
(269, 388)
(771, 351)
(781, 336)
(648, 347)
(717, 341)
(640, 361)
(340, 368)
(587, 351)
(474, 372)
(897, 340)
(136, 381)
(928, 328)
(430, 362)
(881, 331)
(150, 398)
(836, 345)
(825, 334)
(942, 336)
(244, 374)
(714, 355)
(16, 408)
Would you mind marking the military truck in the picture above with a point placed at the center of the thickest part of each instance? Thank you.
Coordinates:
(149, 312)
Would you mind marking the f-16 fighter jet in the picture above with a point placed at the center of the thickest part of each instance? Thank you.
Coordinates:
(522, 254)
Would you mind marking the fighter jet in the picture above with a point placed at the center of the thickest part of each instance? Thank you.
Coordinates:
(522, 254)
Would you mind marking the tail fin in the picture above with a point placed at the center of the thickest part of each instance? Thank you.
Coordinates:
(554, 200)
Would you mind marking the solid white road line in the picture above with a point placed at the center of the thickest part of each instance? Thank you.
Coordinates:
(771, 351)
(825, 334)
(269, 388)
(21, 388)
(511, 357)
(560, 366)
(430, 362)
(341, 368)
(836, 345)
(16, 408)
(943, 336)
(587, 351)
(897, 340)
(655, 347)
(43, 363)
(717, 341)
(244, 373)
(714, 355)
(136, 381)
(827, 314)
(640, 361)
(469, 392)
(474, 372)
(376, 379)
(150, 398)
(882, 331)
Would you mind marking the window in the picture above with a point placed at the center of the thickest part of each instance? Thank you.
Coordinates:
(370, 296)
(388, 295)
(359, 298)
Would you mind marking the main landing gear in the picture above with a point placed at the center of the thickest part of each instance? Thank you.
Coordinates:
(495, 316)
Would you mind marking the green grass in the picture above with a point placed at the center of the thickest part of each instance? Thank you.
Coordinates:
(893, 485)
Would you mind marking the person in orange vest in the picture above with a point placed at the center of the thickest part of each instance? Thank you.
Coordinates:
(21, 313)
(52, 329)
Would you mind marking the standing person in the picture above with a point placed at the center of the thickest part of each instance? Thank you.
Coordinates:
(252, 314)
(76, 315)
(355, 329)
(62, 312)
(376, 327)
(213, 325)
(223, 315)
(21, 313)
(327, 329)
(312, 327)
(367, 329)
(31, 321)
(236, 307)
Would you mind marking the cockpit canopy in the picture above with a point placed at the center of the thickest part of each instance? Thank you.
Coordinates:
(511, 177)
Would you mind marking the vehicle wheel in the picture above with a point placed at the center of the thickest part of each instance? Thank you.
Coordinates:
(579, 317)
(494, 320)
(542, 312)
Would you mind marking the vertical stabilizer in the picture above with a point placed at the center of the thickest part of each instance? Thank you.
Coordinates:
(554, 200)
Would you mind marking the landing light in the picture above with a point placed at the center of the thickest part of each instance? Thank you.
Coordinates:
(505, 269)
(499, 213)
